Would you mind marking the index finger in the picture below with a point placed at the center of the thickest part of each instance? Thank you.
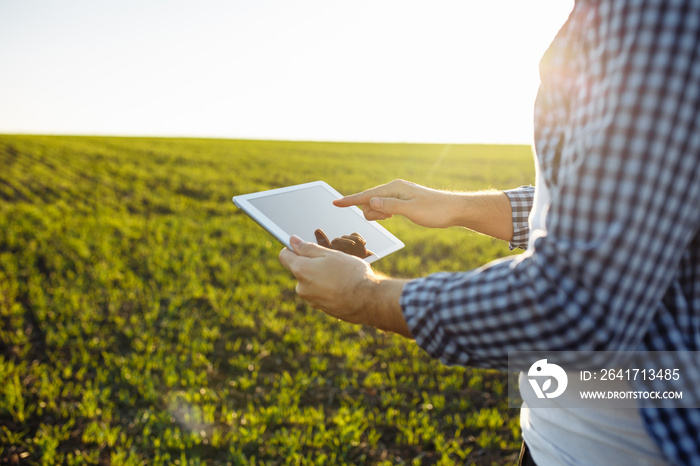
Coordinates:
(363, 197)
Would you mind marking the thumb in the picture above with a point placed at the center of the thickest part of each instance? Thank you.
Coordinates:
(388, 205)
(302, 248)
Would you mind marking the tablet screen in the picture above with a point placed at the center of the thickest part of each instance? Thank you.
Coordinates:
(300, 210)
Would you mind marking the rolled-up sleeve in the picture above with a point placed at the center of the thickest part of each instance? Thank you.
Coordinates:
(521, 200)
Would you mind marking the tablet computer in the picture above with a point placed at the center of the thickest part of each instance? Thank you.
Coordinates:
(301, 209)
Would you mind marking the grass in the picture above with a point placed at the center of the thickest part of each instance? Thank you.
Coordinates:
(145, 320)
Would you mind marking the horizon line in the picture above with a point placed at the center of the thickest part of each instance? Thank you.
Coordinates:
(273, 139)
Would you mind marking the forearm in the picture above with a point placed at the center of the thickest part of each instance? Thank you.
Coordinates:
(487, 212)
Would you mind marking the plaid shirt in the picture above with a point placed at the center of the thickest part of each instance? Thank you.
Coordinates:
(617, 138)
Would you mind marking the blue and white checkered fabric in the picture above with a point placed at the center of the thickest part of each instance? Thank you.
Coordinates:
(617, 137)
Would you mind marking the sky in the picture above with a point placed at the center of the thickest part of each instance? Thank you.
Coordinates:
(449, 71)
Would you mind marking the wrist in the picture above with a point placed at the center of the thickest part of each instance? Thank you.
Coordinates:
(381, 307)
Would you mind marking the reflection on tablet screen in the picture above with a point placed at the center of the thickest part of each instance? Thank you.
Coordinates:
(285, 210)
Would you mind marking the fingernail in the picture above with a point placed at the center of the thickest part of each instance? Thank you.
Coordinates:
(376, 203)
(295, 240)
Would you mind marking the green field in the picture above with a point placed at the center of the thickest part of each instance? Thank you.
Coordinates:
(145, 320)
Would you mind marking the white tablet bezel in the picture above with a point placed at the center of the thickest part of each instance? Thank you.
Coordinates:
(242, 202)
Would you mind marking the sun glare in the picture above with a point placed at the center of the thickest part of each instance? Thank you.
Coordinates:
(448, 71)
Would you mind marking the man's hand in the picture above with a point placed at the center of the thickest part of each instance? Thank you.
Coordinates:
(423, 206)
(345, 286)
(487, 212)
(353, 244)
(329, 280)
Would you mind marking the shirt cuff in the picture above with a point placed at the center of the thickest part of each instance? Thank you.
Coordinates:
(521, 200)
(420, 305)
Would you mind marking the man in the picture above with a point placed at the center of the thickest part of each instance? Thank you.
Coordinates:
(613, 241)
